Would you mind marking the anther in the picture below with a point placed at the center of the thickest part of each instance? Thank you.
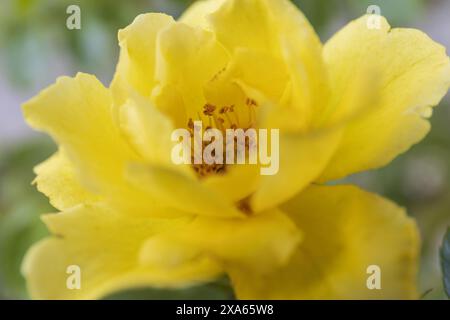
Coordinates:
(209, 109)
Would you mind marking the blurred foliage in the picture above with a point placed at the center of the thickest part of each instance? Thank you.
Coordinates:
(219, 290)
(34, 39)
(398, 12)
(323, 13)
(20, 206)
(445, 261)
(38, 28)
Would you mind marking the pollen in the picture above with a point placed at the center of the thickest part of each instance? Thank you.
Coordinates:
(221, 118)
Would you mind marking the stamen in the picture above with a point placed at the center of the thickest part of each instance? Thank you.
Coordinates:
(251, 103)
(251, 112)
(220, 123)
(219, 119)
(191, 126)
(231, 110)
(244, 206)
(224, 111)
(208, 109)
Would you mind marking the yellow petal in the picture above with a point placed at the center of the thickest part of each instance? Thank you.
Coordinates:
(176, 190)
(168, 99)
(302, 157)
(197, 14)
(257, 243)
(58, 180)
(187, 59)
(279, 29)
(105, 246)
(413, 76)
(149, 132)
(136, 67)
(259, 70)
(239, 182)
(76, 112)
(259, 24)
(346, 230)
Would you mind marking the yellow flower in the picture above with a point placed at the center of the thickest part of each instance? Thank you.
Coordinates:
(131, 217)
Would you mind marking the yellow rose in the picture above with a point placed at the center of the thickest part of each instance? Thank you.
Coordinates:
(130, 217)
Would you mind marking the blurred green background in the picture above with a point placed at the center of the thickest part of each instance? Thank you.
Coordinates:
(36, 47)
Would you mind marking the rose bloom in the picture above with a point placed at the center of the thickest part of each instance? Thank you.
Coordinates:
(129, 217)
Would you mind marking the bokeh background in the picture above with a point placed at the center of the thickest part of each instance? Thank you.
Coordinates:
(36, 47)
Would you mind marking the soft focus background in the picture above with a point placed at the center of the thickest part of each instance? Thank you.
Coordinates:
(36, 47)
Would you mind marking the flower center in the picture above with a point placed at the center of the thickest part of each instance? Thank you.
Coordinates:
(221, 118)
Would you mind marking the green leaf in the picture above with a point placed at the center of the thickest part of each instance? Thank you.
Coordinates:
(445, 261)
(218, 290)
